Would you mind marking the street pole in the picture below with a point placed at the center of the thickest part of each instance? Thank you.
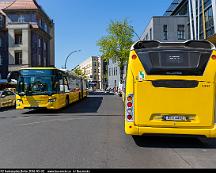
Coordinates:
(69, 56)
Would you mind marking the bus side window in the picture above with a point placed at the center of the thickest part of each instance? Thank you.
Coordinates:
(78, 83)
(66, 85)
(60, 82)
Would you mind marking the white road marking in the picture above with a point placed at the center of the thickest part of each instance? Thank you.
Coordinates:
(48, 121)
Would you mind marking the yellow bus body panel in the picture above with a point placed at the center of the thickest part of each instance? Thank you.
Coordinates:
(152, 103)
(41, 101)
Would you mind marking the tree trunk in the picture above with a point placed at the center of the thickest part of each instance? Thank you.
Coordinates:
(121, 73)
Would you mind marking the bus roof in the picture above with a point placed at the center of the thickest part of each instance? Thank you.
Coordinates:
(52, 68)
(39, 68)
(195, 44)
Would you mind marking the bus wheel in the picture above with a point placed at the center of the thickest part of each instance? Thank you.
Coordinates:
(67, 101)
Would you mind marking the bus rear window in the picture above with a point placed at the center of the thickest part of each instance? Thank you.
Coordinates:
(174, 62)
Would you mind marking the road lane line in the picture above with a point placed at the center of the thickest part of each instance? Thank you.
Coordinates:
(48, 121)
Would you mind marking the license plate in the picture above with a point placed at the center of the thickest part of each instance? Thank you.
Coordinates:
(174, 118)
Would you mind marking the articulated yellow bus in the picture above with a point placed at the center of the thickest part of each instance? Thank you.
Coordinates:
(49, 88)
(171, 89)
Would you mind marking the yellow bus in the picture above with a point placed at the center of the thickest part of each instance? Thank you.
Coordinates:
(49, 88)
(171, 89)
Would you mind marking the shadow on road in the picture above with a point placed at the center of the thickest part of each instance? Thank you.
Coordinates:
(174, 142)
(88, 105)
(7, 109)
(100, 93)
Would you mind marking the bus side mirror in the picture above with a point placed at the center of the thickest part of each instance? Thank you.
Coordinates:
(21, 94)
(13, 76)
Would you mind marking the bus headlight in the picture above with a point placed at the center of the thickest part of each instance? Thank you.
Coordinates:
(52, 100)
(19, 101)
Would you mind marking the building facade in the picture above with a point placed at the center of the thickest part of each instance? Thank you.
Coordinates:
(26, 36)
(113, 74)
(201, 17)
(168, 29)
(91, 69)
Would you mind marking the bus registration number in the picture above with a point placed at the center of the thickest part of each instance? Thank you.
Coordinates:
(174, 118)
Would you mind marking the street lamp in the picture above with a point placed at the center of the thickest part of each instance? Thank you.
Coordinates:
(69, 56)
(136, 34)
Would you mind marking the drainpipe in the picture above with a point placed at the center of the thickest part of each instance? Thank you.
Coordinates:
(191, 22)
(198, 34)
(214, 13)
(204, 21)
(194, 18)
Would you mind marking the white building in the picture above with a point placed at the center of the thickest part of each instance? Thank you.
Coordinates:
(113, 74)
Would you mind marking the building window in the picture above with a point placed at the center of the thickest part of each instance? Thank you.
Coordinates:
(1, 21)
(39, 60)
(45, 27)
(1, 60)
(21, 19)
(41, 23)
(165, 32)
(18, 37)
(18, 58)
(39, 42)
(147, 37)
(95, 77)
(181, 32)
(151, 34)
(45, 61)
(45, 46)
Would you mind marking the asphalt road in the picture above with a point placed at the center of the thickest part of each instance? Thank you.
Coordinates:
(90, 134)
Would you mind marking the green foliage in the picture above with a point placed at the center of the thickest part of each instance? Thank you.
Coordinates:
(79, 72)
(116, 45)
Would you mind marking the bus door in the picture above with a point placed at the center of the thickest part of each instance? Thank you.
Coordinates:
(174, 88)
(82, 88)
(61, 93)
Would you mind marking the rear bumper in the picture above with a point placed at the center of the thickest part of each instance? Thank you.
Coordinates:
(135, 130)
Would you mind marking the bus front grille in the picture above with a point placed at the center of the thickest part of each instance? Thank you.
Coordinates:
(175, 83)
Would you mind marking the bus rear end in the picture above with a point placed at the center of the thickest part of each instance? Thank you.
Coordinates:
(171, 89)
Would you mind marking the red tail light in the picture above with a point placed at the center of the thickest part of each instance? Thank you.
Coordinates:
(130, 108)
(134, 57)
(129, 104)
(214, 57)
(129, 117)
(129, 98)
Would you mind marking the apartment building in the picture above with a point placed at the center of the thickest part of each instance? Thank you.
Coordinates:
(91, 69)
(26, 36)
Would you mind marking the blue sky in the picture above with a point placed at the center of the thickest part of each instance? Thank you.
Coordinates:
(79, 24)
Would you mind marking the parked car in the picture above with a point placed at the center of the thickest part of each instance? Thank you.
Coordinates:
(7, 98)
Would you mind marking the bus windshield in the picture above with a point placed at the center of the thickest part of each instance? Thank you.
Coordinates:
(36, 82)
(174, 61)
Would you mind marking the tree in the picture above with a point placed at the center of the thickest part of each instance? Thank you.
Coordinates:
(79, 72)
(116, 45)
